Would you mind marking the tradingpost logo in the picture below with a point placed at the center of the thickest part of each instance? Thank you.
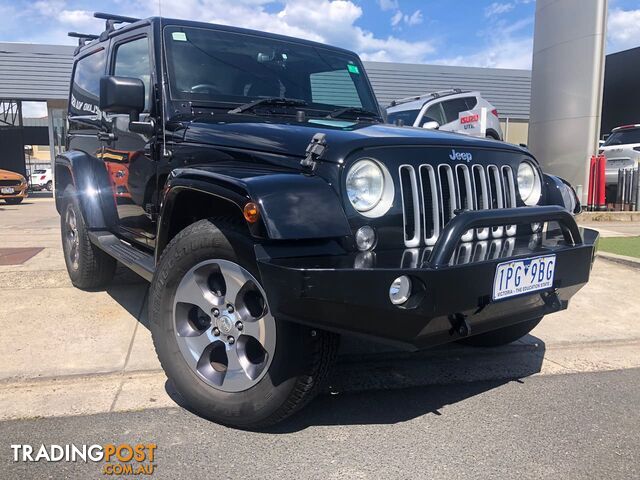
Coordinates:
(123, 459)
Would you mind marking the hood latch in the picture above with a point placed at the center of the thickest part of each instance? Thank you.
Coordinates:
(314, 151)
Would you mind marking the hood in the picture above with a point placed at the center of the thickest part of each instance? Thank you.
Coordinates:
(289, 137)
(8, 175)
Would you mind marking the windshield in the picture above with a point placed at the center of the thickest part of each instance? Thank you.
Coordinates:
(206, 65)
(408, 117)
(623, 137)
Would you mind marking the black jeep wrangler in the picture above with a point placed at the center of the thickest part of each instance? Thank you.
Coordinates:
(251, 179)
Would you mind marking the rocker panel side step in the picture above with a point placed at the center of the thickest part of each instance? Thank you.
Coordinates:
(140, 262)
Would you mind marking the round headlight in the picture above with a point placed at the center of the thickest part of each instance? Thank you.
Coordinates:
(365, 185)
(529, 184)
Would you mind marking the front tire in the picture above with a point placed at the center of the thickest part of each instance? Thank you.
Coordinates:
(502, 336)
(229, 359)
(87, 265)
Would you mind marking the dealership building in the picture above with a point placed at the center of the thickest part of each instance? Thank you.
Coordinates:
(32, 72)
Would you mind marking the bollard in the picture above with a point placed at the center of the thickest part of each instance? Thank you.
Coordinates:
(633, 205)
(619, 191)
(638, 188)
(601, 164)
(592, 184)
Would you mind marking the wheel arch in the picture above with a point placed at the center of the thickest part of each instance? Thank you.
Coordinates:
(90, 179)
(292, 206)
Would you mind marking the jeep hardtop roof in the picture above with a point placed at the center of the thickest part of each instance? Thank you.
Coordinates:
(86, 41)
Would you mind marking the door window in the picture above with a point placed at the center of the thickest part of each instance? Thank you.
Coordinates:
(433, 113)
(453, 107)
(85, 87)
(132, 60)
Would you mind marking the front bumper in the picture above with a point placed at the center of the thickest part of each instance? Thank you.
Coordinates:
(20, 192)
(350, 292)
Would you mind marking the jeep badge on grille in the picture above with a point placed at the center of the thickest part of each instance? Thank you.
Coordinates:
(466, 156)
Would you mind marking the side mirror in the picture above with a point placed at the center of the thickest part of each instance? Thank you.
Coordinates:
(122, 95)
(431, 125)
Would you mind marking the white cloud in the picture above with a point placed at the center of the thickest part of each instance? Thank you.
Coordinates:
(327, 21)
(396, 18)
(623, 29)
(505, 47)
(497, 8)
(388, 4)
(414, 19)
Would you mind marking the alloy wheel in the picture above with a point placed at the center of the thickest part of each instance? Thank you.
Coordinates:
(223, 325)
(71, 237)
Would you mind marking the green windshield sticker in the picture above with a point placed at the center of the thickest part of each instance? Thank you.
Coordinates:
(179, 36)
(353, 69)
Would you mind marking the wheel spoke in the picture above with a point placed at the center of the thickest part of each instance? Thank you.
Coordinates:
(194, 291)
(193, 346)
(234, 279)
(255, 329)
(236, 377)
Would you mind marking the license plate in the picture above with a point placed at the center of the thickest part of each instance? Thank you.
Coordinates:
(518, 277)
(7, 190)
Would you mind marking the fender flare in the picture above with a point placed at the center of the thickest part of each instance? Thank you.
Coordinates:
(292, 206)
(93, 189)
(560, 192)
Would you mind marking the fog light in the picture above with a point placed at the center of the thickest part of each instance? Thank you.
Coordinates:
(365, 238)
(400, 290)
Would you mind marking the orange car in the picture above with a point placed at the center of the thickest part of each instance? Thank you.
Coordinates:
(13, 187)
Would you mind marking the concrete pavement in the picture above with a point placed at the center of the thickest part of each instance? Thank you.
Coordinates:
(68, 352)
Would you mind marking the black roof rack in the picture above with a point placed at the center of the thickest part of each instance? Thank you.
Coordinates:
(112, 21)
(83, 38)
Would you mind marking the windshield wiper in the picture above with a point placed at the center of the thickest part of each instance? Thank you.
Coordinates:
(276, 101)
(353, 110)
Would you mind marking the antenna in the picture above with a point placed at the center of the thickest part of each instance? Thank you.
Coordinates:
(164, 94)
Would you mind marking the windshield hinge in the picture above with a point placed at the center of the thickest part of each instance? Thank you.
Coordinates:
(314, 151)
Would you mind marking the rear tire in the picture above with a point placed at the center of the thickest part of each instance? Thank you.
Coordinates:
(49, 186)
(502, 336)
(87, 265)
(13, 201)
(205, 268)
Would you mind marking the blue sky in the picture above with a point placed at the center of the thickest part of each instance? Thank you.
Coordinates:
(482, 33)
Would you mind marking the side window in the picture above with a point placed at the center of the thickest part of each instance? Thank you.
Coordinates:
(453, 107)
(471, 102)
(434, 112)
(334, 87)
(132, 60)
(85, 87)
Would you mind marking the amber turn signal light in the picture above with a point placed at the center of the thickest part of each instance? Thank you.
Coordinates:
(251, 213)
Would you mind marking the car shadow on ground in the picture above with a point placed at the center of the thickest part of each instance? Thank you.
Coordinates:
(373, 383)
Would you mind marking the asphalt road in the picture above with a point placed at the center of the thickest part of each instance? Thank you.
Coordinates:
(573, 426)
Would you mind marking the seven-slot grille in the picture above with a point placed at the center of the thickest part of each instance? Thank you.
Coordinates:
(432, 194)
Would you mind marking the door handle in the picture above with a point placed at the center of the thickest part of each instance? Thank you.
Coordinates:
(106, 136)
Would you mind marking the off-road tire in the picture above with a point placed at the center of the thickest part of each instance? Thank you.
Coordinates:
(14, 201)
(95, 268)
(502, 336)
(302, 359)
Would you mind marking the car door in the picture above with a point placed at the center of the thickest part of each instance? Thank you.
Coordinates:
(128, 157)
